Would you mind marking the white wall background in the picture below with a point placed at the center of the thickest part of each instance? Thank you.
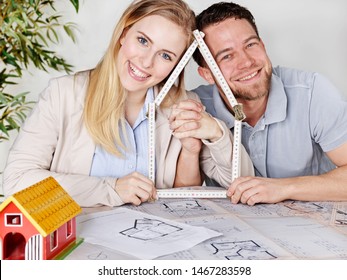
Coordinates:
(306, 34)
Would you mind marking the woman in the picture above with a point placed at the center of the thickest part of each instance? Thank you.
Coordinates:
(89, 130)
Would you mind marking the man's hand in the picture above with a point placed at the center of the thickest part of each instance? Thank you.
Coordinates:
(252, 190)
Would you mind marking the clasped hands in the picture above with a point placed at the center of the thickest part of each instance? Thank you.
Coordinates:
(188, 119)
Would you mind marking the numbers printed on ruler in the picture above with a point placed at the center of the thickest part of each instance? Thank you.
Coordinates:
(151, 141)
(236, 161)
(174, 75)
(239, 115)
(185, 193)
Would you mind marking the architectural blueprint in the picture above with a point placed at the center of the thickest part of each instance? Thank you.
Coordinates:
(303, 237)
(89, 251)
(286, 230)
(140, 235)
(239, 241)
(179, 208)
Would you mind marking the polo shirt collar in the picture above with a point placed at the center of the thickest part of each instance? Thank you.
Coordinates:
(276, 109)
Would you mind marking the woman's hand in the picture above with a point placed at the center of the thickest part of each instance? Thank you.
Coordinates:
(135, 188)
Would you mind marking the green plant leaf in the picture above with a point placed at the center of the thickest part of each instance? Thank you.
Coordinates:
(68, 27)
(75, 3)
(3, 129)
(27, 28)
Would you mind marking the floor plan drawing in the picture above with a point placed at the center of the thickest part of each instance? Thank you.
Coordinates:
(307, 239)
(341, 217)
(262, 210)
(178, 208)
(184, 208)
(133, 233)
(307, 208)
(246, 250)
(239, 241)
(149, 229)
(324, 212)
(317, 210)
(89, 251)
(98, 256)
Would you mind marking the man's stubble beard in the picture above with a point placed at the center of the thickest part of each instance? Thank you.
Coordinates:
(256, 92)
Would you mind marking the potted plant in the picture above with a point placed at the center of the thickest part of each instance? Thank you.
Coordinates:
(27, 28)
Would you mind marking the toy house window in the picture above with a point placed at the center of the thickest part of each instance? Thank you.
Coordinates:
(68, 229)
(54, 240)
(14, 220)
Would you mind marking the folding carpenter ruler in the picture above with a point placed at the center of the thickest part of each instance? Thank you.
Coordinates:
(191, 192)
(239, 116)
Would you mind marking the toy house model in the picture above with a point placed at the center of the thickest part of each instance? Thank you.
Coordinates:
(38, 223)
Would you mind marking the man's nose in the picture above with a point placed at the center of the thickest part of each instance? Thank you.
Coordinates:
(244, 60)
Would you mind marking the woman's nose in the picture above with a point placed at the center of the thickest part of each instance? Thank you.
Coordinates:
(147, 60)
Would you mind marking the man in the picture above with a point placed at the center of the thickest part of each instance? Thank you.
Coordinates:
(295, 129)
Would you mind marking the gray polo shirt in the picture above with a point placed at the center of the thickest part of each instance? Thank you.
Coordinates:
(305, 117)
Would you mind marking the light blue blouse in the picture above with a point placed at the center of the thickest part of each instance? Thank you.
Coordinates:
(135, 157)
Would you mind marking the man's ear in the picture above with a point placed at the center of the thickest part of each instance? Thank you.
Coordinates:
(262, 43)
(206, 74)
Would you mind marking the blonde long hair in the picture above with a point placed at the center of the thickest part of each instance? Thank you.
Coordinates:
(105, 100)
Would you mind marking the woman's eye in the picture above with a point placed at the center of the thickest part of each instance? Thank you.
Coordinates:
(166, 56)
(142, 40)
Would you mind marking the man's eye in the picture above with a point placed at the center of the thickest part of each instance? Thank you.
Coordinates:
(251, 44)
(226, 57)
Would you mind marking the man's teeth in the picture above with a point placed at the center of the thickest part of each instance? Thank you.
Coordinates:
(138, 73)
(248, 77)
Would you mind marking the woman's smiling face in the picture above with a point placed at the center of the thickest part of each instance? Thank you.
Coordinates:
(149, 51)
